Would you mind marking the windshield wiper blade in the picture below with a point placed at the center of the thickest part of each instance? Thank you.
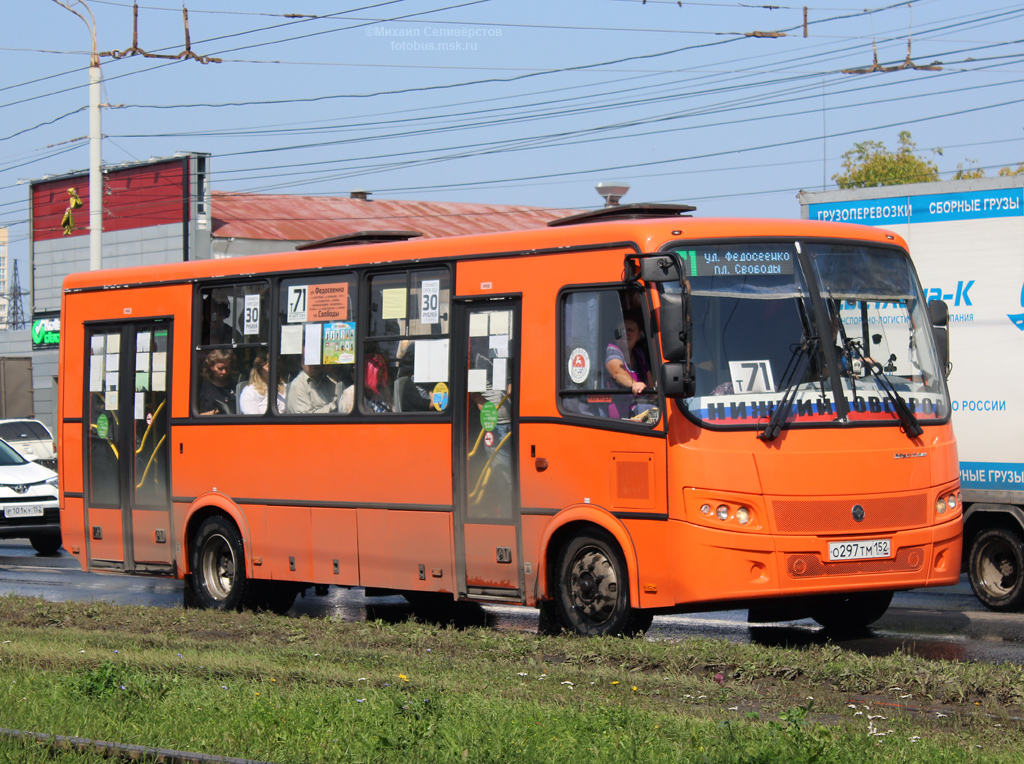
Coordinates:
(910, 425)
(794, 370)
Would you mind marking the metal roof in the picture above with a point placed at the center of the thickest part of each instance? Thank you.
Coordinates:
(278, 217)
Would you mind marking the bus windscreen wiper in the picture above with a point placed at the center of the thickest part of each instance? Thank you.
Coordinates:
(908, 421)
(794, 371)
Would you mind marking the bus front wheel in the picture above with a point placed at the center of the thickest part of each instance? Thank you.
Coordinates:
(218, 565)
(996, 569)
(593, 588)
(852, 612)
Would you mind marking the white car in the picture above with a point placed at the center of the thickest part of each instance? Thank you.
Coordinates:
(29, 506)
(31, 439)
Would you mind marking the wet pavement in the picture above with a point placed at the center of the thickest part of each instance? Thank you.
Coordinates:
(947, 623)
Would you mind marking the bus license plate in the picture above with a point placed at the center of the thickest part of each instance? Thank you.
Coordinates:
(31, 510)
(858, 550)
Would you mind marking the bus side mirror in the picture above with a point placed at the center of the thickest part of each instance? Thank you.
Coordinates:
(678, 380)
(674, 322)
(938, 314)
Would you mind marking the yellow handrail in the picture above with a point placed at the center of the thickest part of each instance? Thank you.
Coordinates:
(142, 443)
(485, 473)
(152, 456)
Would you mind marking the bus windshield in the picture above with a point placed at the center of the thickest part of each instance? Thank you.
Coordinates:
(769, 324)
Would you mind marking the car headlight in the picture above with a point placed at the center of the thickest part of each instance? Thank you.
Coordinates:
(52, 481)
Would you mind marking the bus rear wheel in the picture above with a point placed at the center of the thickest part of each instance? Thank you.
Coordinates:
(593, 588)
(996, 569)
(849, 612)
(218, 565)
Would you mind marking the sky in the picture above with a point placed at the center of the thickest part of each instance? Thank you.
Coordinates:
(733, 107)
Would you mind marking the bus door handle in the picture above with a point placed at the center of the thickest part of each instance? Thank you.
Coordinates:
(540, 463)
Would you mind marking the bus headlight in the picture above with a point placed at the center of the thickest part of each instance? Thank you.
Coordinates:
(940, 505)
(951, 501)
(722, 512)
(743, 515)
(705, 509)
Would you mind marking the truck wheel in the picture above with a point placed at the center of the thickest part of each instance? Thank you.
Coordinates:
(849, 612)
(218, 565)
(46, 543)
(593, 587)
(996, 569)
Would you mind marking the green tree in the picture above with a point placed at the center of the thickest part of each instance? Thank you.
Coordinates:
(871, 164)
(1019, 170)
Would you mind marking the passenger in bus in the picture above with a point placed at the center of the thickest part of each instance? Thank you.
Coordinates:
(217, 390)
(376, 392)
(312, 392)
(628, 368)
(253, 399)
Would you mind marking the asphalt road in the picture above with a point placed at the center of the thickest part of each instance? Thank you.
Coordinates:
(947, 623)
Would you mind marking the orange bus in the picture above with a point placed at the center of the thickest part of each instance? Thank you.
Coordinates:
(630, 412)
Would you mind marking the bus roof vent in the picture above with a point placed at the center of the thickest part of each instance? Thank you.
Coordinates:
(626, 212)
(362, 237)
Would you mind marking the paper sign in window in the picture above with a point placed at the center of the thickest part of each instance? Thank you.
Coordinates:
(111, 400)
(159, 381)
(499, 373)
(297, 300)
(110, 380)
(431, 361)
(476, 381)
(499, 345)
(340, 342)
(96, 374)
(393, 303)
(142, 362)
(752, 376)
(478, 325)
(251, 316)
(311, 354)
(140, 405)
(113, 361)
(142, 341)
(499, 322)
(142, 380)
(160, 361)
(98, 344)
(430, 301)
(291, 340)
(328, 302)
(113, 343)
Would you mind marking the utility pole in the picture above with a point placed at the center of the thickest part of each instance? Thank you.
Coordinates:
(95, 136)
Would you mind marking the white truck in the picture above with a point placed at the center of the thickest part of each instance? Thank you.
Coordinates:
(967, 240)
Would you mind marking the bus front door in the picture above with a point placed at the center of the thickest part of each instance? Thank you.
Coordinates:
(488, 537)
(127, 431)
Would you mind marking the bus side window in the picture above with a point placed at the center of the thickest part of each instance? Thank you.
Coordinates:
(405, 352)
(316, 350)
(234, 328)
(604, 363)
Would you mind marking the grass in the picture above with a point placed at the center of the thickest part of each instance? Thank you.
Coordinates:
(300, 690)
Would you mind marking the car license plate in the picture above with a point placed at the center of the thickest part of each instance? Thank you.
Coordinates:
(30, 510)
(858, 550)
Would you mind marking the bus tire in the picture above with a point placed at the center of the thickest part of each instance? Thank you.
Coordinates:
(218, 565)
(996, 569)
(849, 612)
(593, 586)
